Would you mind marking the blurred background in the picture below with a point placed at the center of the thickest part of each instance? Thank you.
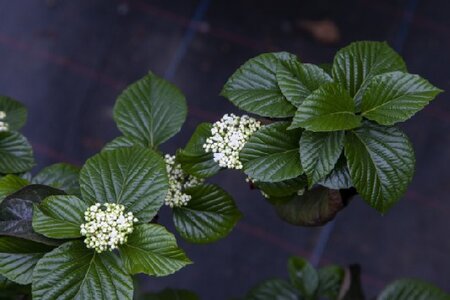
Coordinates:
(69, 60)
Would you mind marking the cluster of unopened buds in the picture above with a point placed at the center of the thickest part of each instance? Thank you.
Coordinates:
(107, 226)
(178, 183)
(228, 137)
(3, 125)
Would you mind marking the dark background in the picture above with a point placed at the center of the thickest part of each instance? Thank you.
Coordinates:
(68, 61)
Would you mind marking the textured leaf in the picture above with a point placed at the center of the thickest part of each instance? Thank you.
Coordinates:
(134, 177)
(274, 289)
(210, 215)
(329, 108)
(303, 276)
(11, 184)
(171, 294)
(16, 155)
(407, 289)
(355, 65)
(73, 272)
(122, 142)
(330, 281)
(339, 178)
(395, 97)
(297, 81)
(254, 87)
(319, 152)
(151, 110)
(16, 113)
(152, 250)
(314, 208)
(18, 258)
(271, 154)
(16, 213)
(193, 158)
(61, 176)
(381, 163)
(59, 217)
(282, 188)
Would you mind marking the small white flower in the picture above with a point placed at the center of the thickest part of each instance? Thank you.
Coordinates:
(178, 182)
(107, 226)
(3, 125)
(229, 136)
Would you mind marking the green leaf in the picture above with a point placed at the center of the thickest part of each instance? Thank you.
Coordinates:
(18, 258)
(16, 113)
(151, 110)
(381, 163)
(319, 152)
(193, 158)
(152, 250)
(61, 176)
(406, 289)
(59, 217)
(274, 289)
(16, 154)
(314, 208)
(254, 87)
(355, 65)
(272, 154)
(329, 108)
(282, 188)
(16, 213)
(303, 276)
(330, 281)
(209, 216)
(73, 272)
(122, 142)
(171, 294)
(134, 177)
(297, 81)
(339, 178)
(395, 97)
(11, 184)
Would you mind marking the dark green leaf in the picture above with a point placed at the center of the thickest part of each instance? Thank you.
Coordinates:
(151, 110)
(329, 108)
(408, 289)
(171, 294)
(59, 217)
(134, 177)
(314, 208)
(303, 276)
(297, 81)
(210, 214)
(18, 258)
(355, 65)
(282, 188)
(274, 289)
(16, 154)
(339, 178)
(16, 113)
(381, 163)
(11, 184)
(272, 154)
(395, 97)
(330, 281)
(61, 176)
(73, 272)
(121, 142)
(319, 152)
(254, 87)
(152, 250)
(16, 213)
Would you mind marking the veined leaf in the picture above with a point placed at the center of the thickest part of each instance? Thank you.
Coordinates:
(339, 178)
(210, 214)
(330, 281)
(16, 154)
(61, 176)
(297, 81)
(274, 289)
(134, 177)
(122, 142)
(272, 154)
(152, 250)
(254, 87)
(329, 108)
(395, 97)
(10, 184)
(319, 152)
(151, 110)
(303, 276)
(283, 188)
(407, 289)
(381, 163)
(16, 113)
(73, 272)
(59, 217)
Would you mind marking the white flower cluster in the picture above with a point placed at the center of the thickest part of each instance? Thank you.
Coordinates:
(107, 226)
(178, 182)
(229, 136)
(3, 125)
